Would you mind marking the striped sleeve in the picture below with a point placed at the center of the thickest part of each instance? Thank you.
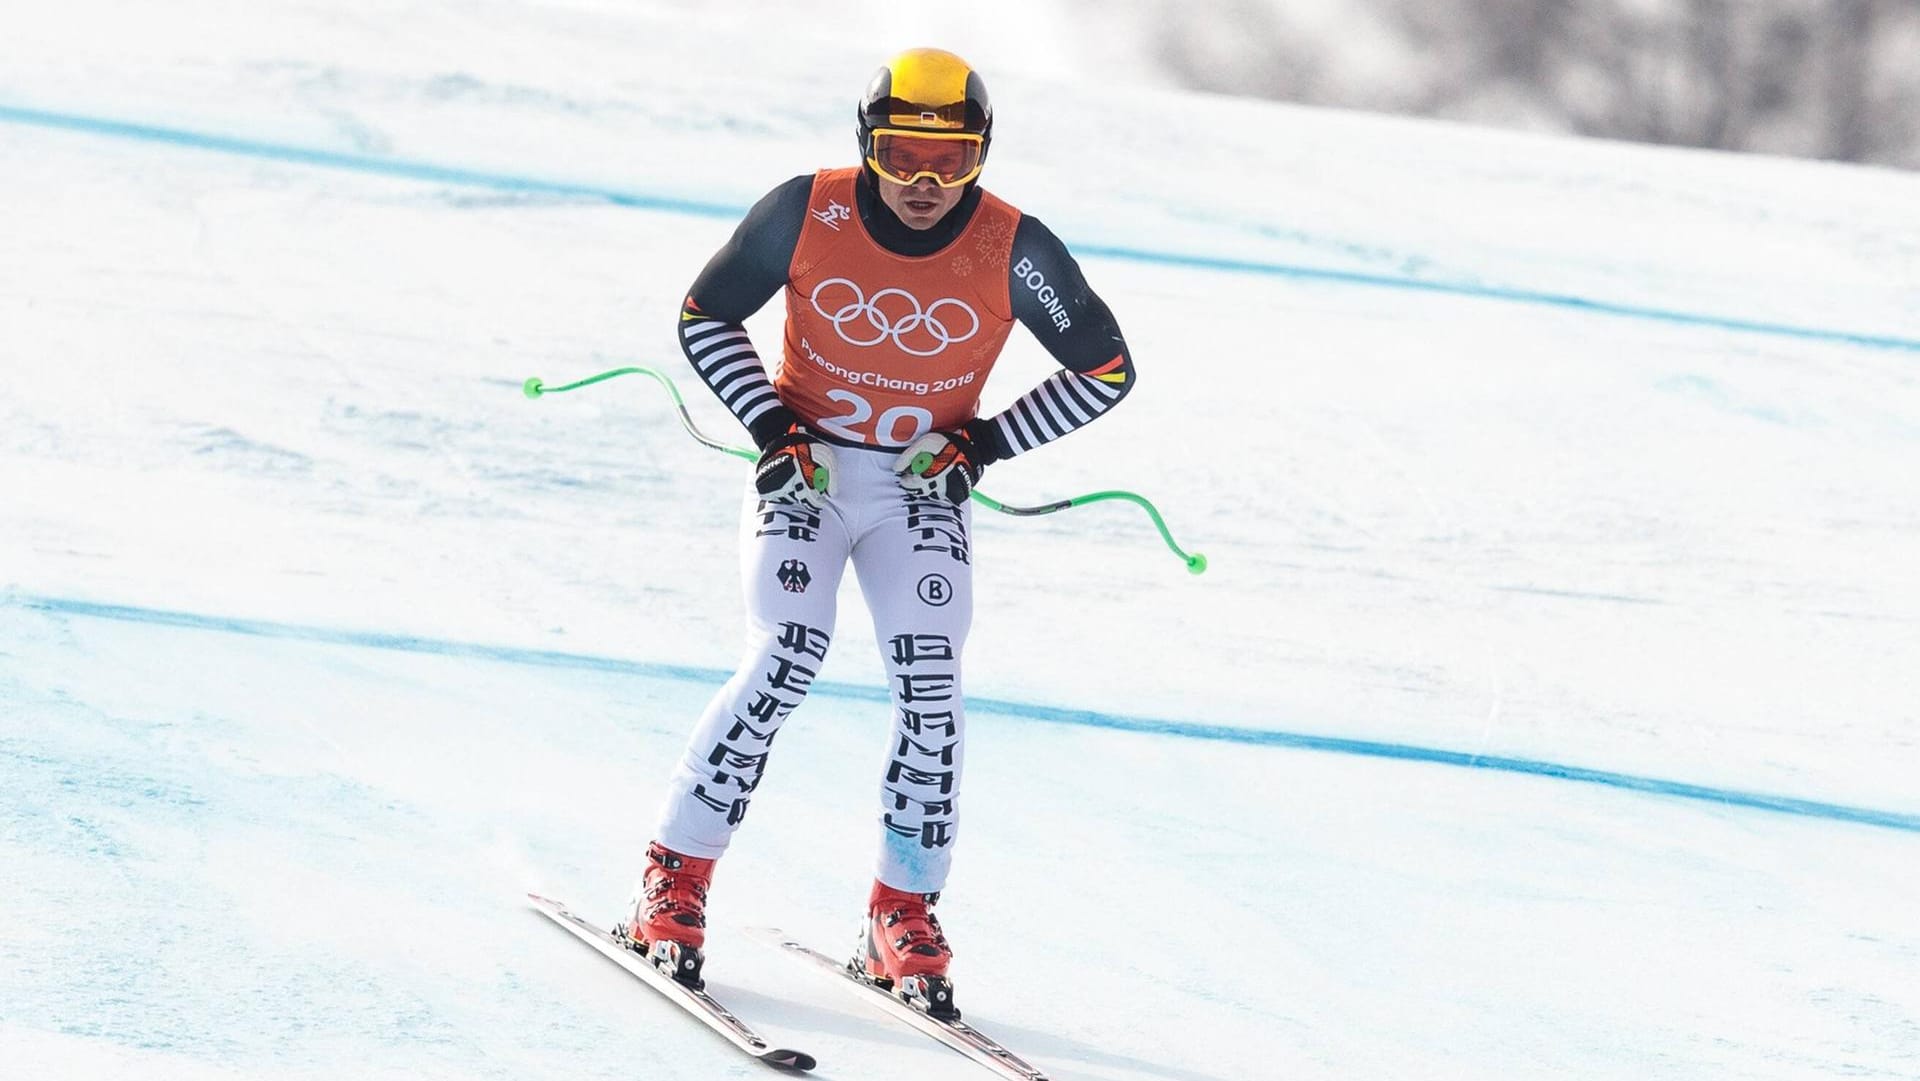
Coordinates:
(1064, 401)
(727, 362)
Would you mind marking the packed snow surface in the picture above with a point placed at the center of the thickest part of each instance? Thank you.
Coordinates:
(320, 644)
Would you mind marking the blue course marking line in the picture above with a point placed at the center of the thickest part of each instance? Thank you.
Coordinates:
(508, 182)
(1512, 296)
(1046, 714)
(364, 163)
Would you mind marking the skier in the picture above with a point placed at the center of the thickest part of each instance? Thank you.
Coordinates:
(903, 279)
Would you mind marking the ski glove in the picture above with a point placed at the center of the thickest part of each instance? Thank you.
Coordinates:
(796, 468)
(941, 465)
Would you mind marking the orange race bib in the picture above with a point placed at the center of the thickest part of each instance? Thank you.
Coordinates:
(881, 348)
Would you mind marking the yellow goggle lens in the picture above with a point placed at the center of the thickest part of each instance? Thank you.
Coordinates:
(949, 158)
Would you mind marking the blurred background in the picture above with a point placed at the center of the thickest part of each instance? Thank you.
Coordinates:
(1837, 79)
(1833, 79)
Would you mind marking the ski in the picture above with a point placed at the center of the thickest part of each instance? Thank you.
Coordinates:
(698, 1003)
(956, 1034)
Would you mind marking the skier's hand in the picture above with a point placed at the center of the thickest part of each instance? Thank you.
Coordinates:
(795, 467)
(941, 465)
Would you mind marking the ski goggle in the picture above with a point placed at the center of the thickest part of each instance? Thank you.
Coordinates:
(950, 158)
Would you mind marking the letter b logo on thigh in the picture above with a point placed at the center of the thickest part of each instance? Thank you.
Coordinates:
(935, 590)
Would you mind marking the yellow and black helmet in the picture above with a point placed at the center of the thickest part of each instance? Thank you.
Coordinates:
(928, 90)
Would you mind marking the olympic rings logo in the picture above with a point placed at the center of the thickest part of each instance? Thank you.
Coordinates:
(866, 317)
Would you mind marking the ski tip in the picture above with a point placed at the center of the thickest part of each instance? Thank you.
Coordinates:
(538, 901)
(798, 1061)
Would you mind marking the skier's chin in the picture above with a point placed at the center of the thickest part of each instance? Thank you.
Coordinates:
(918, 208)
(923, 215)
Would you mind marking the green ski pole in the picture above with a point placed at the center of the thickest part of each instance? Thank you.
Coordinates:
(1196, 563)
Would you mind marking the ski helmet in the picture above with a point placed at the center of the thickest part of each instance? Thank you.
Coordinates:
(933, 94)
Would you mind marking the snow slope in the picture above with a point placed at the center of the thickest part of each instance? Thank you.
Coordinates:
(319, 643)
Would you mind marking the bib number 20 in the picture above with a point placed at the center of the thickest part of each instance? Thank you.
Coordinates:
(896, 427)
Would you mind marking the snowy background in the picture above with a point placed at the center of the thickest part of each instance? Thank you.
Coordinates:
(319, 643)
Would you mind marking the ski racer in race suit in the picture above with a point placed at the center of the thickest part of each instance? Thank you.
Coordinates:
(902, 280)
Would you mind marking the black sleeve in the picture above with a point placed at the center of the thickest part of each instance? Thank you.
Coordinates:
(738, 281)
(1052, 299)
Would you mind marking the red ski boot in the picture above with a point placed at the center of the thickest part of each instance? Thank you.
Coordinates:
(669, 920)
(905, 951)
